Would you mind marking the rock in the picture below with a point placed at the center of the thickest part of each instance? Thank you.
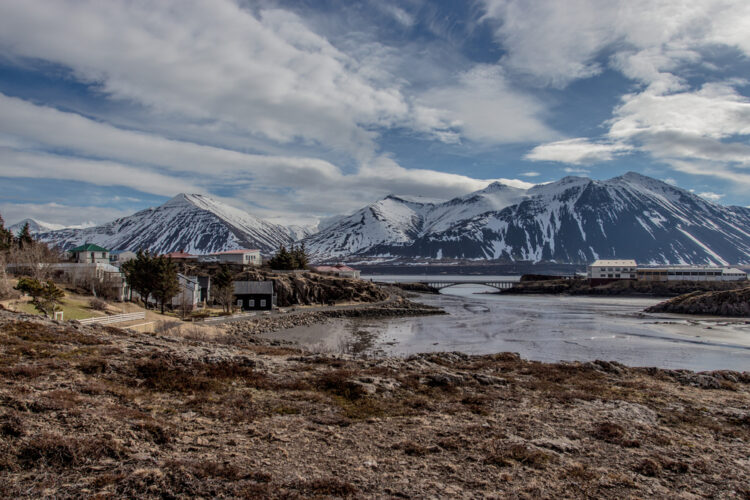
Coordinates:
(489, 379)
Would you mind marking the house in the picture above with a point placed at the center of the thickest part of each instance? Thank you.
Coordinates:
(181, 256)
(339, 270)
(117, 258)
(189, 294)
(89, 254)
(243, 257)
(204, 284)
(690, 273)
(605, 271)
(254, 295)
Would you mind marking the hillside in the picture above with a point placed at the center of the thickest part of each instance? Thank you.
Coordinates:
(573, 220)
(190, 222)
(98, 411)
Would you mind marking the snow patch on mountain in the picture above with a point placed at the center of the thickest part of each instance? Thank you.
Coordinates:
(193, 223)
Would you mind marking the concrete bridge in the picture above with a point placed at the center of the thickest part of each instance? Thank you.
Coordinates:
(439, 285)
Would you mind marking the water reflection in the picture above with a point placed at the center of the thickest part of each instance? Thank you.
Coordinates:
(545, 328)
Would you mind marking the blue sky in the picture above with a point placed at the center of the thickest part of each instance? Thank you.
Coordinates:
(296, 110)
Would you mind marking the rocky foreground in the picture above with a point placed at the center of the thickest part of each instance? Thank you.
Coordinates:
(720, 303)
(99, 411)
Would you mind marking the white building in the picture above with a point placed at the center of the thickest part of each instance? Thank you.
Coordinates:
(612, 270)
(243, 257)
(340, 270)
(189, 294)
(690, 273)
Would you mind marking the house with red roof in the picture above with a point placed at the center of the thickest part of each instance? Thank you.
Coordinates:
(341, 270)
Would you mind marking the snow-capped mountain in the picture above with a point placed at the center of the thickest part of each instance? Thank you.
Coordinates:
(574, 220)
(190, 222)
(35, 226)
(297, 231)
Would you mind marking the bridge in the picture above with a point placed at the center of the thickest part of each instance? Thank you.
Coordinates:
(439, 285)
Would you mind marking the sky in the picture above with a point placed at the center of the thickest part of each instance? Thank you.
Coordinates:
(296, 110)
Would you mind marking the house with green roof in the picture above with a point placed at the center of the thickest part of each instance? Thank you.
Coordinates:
(88, 253)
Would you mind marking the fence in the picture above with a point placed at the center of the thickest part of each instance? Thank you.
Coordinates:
(117, 318)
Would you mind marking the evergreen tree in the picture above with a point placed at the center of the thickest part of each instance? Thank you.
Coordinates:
(283, 260)
(300, 257)
(139, 273)
(24, 237)
(166, 284)
(45, 297)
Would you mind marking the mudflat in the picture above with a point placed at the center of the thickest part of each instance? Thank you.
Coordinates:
(91, 410)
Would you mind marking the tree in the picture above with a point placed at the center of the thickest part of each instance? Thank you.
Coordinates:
(223, 286)
(139, 273)
(6, 237)
(45, 297)
(300, 256)
(288, 260)
(24, 237)
(166, 284)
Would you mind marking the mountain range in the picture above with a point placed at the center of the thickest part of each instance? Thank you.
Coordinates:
(573, 220)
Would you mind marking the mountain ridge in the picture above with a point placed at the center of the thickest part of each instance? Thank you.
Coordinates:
(574, 219)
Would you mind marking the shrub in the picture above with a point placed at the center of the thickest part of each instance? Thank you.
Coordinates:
(505, 456)
(97, 304)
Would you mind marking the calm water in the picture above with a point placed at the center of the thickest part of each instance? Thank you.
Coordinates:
(544, 328)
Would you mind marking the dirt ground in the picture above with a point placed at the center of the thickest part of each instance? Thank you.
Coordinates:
(98, 411)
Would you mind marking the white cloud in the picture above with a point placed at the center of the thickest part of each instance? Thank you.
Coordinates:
(57, 213)
(484, 107)
(101, 154)
(530, 174)
(558, 42)
(577, 151)
(711, 196)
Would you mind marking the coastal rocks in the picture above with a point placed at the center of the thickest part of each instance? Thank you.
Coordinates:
(267, 324)
(312, 288)
(718, 303)
(580, 286)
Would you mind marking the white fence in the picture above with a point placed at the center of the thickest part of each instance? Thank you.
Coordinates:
(117, 318)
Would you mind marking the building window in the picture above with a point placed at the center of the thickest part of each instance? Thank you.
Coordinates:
(251, 302)
(262, 302)
(239, 302)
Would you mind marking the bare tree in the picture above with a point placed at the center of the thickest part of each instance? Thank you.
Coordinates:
(35, 259)
(5, 289)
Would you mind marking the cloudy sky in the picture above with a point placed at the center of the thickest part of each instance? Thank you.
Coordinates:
(296, 110)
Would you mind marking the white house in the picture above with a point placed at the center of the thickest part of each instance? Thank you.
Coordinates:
(341, 270)
(608, 270)
(189, 294)
(245, 257)
(89, 254)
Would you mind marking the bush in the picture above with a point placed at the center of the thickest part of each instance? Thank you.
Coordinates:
(97, 304)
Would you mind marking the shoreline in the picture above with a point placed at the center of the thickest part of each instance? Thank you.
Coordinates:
(394, 307)
(109, 412)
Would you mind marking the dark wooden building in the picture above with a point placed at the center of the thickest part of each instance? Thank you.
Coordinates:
(254, 295)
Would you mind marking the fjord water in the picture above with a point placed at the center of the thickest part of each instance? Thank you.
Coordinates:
(544, 328)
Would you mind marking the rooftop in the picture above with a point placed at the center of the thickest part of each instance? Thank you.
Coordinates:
(626, 263)
(88, 247)
(240, 251)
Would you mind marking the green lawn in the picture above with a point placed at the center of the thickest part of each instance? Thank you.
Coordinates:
(71, 310)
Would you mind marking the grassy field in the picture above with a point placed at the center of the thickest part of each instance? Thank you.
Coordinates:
(72, 308)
